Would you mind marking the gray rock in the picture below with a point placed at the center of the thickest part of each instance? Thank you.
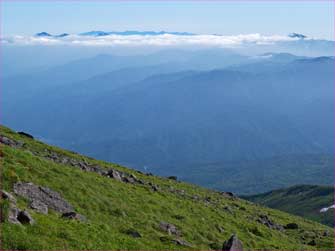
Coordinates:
(98, 169)
(24, 218)
(39, 206)
(233, 244)
(114, 174)
(10, 142)
(325, 233)
(181, 242)
(133, 233)
(128, 180)
(195, 197)
(228, 194)
(312, 243)
(219, 228)
(13, 212)
(154, 187)
(169, 228)
(45, 195)
(7, 196)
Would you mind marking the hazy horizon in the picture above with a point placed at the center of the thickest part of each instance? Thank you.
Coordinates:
(313, 19)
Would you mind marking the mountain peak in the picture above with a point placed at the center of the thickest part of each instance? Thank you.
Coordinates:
(297, 35)
(43, 34)
(94, 33)
(46, 34)
(62, 35)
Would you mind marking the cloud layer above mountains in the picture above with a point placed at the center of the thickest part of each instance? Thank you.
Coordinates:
(230, 41)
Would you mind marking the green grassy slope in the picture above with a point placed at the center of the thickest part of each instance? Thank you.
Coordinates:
(303, 200)
(206, 218)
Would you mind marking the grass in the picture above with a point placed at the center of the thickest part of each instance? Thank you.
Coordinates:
(113, 207)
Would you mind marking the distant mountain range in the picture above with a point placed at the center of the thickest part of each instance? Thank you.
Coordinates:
(173, 113)
(123, 33)
(143, 33)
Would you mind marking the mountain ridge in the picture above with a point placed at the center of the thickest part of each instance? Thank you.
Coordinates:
(304, 200)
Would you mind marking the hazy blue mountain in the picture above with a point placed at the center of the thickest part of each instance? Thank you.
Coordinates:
(302, 47)
(149, 120)
(127, 33)
(83, 69)
(297, 35)
(43, 34)
(262, 175)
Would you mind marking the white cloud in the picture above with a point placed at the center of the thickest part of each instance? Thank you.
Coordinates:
(149, 40)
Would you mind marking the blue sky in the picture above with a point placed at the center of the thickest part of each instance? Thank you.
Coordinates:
(313, 18)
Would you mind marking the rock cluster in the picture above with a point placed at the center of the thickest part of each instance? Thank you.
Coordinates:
(41, 199)
(110, 173)
(83, 165)
(15, 215)
(10, 142)
(265, 220)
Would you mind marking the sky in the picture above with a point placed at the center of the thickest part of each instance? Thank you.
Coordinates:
(312, 18)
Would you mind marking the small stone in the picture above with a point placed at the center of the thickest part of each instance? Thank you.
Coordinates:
(129, 180)
(195, 197)
(181, 242)
(155, 188)
(169, 228)
(233, 244)
(74, 216)
(325, 233)
(12, 215)
(133, 233)
(228, 194)
(114, 174)
(312, 243)
(219, 228)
